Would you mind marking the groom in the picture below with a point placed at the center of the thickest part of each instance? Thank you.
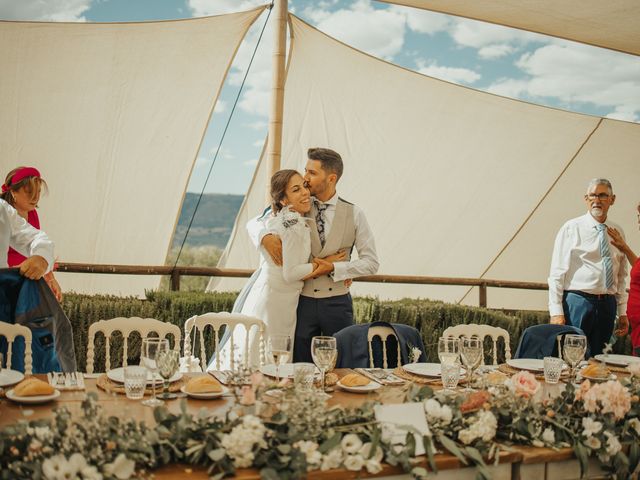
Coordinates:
(325, 305)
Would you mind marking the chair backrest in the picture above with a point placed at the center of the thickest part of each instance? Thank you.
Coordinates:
(144, 326)
(228, 320)
(10, 331)
(384, 333)
(482, 331)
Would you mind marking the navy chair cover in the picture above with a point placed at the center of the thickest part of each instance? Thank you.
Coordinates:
(353, 347)
(539, 341)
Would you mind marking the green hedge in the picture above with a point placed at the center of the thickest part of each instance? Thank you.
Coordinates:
(431, 318)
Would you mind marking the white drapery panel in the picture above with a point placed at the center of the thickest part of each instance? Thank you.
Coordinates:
(454, 182)
(113, 116)
(612, 24)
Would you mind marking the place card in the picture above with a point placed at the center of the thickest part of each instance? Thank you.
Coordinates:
(397, 420)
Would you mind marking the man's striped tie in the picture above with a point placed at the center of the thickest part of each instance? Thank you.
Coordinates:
(605, 252)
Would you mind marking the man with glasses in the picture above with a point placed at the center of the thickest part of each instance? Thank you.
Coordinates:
(587, 281)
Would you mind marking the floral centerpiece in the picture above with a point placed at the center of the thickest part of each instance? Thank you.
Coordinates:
(303, 434)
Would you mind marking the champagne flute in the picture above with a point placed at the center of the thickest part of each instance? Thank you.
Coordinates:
(471, 356)
(151, 349)
(573, 351)
(324, 351)
(168, 366)
(280, 348)
(448, 350)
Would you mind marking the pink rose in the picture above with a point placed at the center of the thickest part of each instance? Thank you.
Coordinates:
(248, 396)
(525, 383)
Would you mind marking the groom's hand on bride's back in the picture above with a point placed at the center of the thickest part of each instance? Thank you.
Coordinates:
(273, 245)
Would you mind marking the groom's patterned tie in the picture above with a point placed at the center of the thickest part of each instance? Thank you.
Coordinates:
(605, 252)
(320, 207)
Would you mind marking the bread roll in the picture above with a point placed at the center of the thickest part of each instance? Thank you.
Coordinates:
(596, 370)
(354, 380)
(31, 387)
(203, 384)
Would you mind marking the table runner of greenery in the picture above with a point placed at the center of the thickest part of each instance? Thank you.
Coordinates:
(304, 434)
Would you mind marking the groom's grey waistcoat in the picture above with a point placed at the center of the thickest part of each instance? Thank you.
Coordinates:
(342, 236)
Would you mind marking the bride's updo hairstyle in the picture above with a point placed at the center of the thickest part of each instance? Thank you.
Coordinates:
(279, 183)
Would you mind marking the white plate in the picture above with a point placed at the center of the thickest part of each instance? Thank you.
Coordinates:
(117, 375)
(531, 364)
(205, 396)
(617, 360)
(598, 379)
(286, 370)
(423, 369)
(363, 389)
(33, 399)
(10, 377)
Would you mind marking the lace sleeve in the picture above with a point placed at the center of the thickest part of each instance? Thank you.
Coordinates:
(293, 231)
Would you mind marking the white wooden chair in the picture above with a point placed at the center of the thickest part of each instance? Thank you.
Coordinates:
(216, 321)
(10, 331)
(144, 326)
(481, 332)
(384, 333)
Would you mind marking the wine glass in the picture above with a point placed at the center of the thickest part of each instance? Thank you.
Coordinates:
(151, 350)
(167, 367)
(573, 352)
(280, 348)
(448, 350)
(471, 356)
(324, 351)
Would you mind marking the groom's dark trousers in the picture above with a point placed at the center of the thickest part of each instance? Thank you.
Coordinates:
(319, 316)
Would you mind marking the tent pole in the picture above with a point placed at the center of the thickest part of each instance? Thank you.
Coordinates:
(274, 149)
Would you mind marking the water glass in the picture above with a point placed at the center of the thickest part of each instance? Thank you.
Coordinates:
(573, 350)
(324, 351)
(280, 350)
(450, 374)
(471, 355)
(303, 375)
(152, 348)
(135, 381)
(448, 349)
(552, 369)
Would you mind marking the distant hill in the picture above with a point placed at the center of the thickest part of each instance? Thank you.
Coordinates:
(213, 222)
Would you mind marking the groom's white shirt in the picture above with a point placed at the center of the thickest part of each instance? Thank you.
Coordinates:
(366, 262)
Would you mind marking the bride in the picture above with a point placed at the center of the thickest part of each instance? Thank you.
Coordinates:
(273, 297)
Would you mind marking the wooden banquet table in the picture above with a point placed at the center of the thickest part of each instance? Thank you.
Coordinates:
(515, 462)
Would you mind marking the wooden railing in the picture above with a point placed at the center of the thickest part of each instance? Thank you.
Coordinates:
(175, 273)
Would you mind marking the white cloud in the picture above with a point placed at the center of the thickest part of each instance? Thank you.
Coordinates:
(221, 106)
(450, 74)
(491, 52)
(475, 34)
(423, 21)
(258, 125)
(258, 143)
(201, 8)
(379, 32)
(570, 72)
(251, 163)
(50, 10)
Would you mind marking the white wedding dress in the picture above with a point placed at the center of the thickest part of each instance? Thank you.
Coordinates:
(273, 298)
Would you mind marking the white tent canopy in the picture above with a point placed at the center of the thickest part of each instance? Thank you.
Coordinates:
(454, 182)
(113, 115)
(610, 24)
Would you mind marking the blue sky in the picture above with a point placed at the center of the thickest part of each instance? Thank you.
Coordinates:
(497, 59)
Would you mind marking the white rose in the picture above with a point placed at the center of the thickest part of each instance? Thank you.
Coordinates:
(446, 414)
(52, 467)
(549, 436)
(613, 445)
(90, 473)
(634, 369)
(353, 462)
(635, 424)
(373, 466)
(593, 443)
(590, 426)
(314, 459)
(122, 468)
(331, 460)
(365, 451)
(77, 461)
(351, 443)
